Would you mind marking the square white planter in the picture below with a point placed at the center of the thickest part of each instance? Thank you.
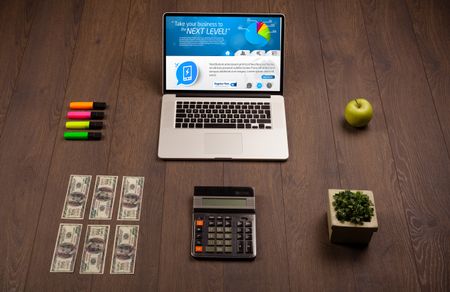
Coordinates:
(347, 232)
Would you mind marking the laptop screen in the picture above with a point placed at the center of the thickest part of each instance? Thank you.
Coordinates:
(223, 52)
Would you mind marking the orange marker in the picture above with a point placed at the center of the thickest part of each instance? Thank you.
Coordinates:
(87, 105)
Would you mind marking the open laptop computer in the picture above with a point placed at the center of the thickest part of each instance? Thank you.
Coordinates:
(223, 85)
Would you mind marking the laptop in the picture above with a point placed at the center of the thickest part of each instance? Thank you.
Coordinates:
(222, 87)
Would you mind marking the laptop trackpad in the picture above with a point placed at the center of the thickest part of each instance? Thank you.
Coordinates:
(223, 144)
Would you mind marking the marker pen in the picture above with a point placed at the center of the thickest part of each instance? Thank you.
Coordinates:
(82, 135)
(84, 115)
(84, 125)
(86, 105)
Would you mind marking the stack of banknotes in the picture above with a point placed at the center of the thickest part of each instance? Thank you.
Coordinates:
(95, 246)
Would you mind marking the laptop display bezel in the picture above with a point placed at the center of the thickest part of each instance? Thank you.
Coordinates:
(224, 92)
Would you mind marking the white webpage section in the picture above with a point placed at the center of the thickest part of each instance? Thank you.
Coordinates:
(251, 73)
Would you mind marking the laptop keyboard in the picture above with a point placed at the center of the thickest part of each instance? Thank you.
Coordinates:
(223, 115)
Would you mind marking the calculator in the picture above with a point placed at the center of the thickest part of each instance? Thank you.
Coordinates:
(223, 223)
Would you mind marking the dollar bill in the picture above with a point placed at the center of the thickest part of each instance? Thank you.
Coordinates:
(94, 250)
(125, 248)
(76, 197)
(131, 198)
(103, 198)
(66, 248)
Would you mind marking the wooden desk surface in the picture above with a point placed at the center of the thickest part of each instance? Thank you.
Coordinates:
(393, 52)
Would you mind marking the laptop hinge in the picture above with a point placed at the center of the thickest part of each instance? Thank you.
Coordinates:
(223, 95)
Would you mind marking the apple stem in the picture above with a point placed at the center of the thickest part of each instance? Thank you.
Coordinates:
(356, 100)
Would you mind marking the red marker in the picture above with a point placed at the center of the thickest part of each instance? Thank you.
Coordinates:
(83, 115)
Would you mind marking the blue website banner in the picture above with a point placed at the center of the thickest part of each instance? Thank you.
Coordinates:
(221, 35)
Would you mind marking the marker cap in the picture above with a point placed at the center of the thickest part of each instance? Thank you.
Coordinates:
(97, 115)
(95, 125)
(94, 135)
(99, 105)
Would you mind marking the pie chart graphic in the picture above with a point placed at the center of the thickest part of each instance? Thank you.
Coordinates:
(258, 33)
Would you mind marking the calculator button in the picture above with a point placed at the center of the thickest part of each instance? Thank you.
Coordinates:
(239, 236)
(210, 249)
(198, 235)
(248, 236)
(240, 247)
(219, 249)
(219, 217)
(219, 235)
(248, 247)
(228, 249)
(198, 242)
(248, 230)
(211, 223)
(211, 242)
(211, 236)
(228, 229)
(219, 242)
(212, 229)
(219, 223)
(227, 218)
(198, 229)
(239, 230)
(228, 235)
(228, 242)
(198, 248)
(199, 223)
(227, 223)
(239, 224)
(211, 217)
(219, 229)
(248, 224)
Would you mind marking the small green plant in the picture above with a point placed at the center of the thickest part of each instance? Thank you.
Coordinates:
(353, 207)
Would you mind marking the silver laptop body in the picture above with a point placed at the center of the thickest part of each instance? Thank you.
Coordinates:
(222, 84)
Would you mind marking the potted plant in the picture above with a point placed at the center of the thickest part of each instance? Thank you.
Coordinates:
(352, 216)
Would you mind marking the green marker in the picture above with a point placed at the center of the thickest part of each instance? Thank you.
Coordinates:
(84, 125)
(82, 135)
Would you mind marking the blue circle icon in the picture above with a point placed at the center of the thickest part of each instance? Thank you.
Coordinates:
(259, 85)
(187, 73)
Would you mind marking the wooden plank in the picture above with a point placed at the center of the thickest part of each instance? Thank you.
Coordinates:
(431, 21)
(16, 18)
(269, 271)
(94, 75)
(29, 133)
(312, 167)
(134, 142)
(364, 156)
(420, 154)
(178, 270)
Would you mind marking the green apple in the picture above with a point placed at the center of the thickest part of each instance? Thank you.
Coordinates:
(358, 112)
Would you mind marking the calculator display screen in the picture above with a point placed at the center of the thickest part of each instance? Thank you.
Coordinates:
(216, 202)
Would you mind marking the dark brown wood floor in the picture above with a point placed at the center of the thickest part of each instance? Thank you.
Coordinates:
(396, 53)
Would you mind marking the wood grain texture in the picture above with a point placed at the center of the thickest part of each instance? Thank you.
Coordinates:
(178, 270)
(94, 75)
(26, 144)
(312, 167)
(16, 18)
(269, 271)
(420, 154)
(395, 53)
(431, 21)
(364, 156)
(134, 141)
